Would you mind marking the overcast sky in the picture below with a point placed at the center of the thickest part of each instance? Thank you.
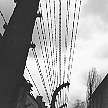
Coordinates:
(91, 44)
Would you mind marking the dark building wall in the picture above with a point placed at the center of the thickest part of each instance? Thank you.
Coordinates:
(105, 97)
(14, 47)
(99, 98)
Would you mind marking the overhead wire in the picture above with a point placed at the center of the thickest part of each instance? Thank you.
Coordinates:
(52, 58)
(73, 37)
(51, 42)
(41, 75)
(50, 62)
(52, 52)
(53, 61)
(32, 79)
(43, 54)
(55, 31)
(60, 39)
(3, 17)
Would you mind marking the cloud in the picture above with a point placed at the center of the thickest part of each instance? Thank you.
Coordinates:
(102, 52)
(90, 25)
(85, 29)
(93, 18)
(100, 46)
(96, 8)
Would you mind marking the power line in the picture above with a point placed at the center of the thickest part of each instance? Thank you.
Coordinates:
(60, 39)
(32, 80)
(43, 54)
(40, 72)
(3, 17)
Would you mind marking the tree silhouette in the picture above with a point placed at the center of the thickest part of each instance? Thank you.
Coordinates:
(79, 104)
(92, 83)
